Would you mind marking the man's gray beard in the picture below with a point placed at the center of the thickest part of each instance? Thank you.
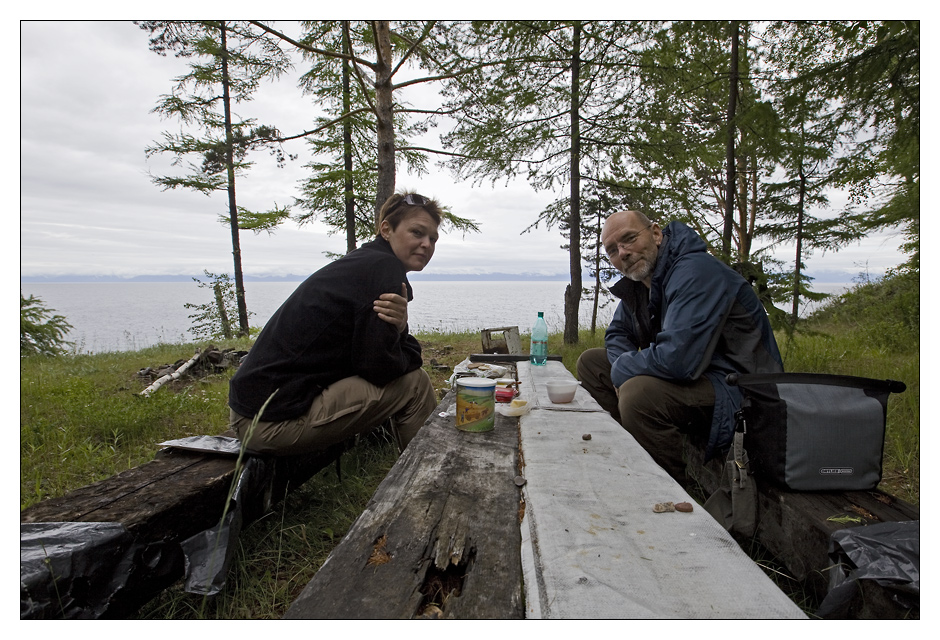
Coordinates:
(641, 274)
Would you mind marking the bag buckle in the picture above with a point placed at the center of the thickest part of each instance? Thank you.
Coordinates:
(740, 424)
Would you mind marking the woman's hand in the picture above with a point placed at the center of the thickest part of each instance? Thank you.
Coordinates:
(393, 308)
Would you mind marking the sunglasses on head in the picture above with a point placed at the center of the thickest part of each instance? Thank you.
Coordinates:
(415, 200)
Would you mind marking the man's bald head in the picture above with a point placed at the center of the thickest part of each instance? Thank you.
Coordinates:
(632, 216)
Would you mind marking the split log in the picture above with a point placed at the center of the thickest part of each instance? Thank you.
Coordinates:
(440, 537)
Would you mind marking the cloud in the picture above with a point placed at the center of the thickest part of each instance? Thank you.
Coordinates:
(88, 206)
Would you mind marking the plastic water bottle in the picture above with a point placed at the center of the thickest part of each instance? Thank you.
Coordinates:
(538, 347)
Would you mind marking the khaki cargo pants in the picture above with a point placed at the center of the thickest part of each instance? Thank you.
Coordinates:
(656, 412)
(345, 408)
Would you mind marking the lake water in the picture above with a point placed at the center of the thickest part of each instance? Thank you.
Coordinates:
(120, 316)
(123, 316)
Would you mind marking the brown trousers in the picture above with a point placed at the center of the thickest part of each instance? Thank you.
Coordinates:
(656, 412)
(345, 408)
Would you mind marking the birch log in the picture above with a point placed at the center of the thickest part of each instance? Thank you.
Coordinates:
(170, 376)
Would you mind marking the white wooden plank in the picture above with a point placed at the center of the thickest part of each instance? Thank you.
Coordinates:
(594, 548)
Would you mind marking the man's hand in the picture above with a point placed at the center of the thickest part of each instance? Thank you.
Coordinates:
(393, 308)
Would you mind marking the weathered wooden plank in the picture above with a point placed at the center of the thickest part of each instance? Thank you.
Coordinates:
(167, 496)
(175, 495)
(796, 526)
(442, 529)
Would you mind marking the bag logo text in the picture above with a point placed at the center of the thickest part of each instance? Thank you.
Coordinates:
(836, 471)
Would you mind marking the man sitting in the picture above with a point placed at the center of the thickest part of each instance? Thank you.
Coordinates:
(685, 320)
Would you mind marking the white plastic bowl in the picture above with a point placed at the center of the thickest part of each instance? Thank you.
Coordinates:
(562, 391)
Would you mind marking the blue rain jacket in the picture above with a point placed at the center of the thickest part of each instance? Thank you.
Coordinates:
(699, 317)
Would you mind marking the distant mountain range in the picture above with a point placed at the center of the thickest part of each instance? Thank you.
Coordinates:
(819, 277)
(449, 277)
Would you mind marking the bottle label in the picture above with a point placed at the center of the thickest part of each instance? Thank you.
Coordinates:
(538, 352)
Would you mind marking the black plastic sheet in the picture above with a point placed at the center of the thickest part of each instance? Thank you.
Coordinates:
(887, 553)
(72, 569)
(209, 554)
(90, 570)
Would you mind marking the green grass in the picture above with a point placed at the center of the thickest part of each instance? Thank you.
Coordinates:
(82, 420)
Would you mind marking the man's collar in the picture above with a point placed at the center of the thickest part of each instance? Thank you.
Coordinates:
(625, 288)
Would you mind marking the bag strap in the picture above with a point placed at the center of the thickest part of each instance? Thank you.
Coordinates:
(734, 502)
(749, 379)
(740, 455)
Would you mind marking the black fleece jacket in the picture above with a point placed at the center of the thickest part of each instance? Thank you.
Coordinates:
(326, 331)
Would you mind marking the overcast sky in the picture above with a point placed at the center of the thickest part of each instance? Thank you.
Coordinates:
(88, 206)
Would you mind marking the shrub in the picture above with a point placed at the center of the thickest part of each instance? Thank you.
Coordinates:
(217, 319)
(883, 313)
(42, 331)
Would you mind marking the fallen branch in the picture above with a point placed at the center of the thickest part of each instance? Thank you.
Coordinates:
(170, 376)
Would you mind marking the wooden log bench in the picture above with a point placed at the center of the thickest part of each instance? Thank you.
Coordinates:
(796, 528)
(162, 503)
(449, 534)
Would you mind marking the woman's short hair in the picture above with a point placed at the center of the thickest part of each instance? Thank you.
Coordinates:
(400, 205)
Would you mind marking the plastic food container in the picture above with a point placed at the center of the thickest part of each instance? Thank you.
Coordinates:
(562, 391)
(476, 404)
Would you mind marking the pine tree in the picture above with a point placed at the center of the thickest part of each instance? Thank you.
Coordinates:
(228, 62)
(543, 112)
(364, 133)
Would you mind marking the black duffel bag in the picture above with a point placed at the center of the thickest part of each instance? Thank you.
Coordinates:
(814, 432)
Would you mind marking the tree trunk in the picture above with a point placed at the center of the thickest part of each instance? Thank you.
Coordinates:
(597, 273)
(741, 209)
(347, 149)
(732, 106)
(223, 314)
(232, 209)
(797, 271)
(573, 292)
(385, 126)
(752, 215)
